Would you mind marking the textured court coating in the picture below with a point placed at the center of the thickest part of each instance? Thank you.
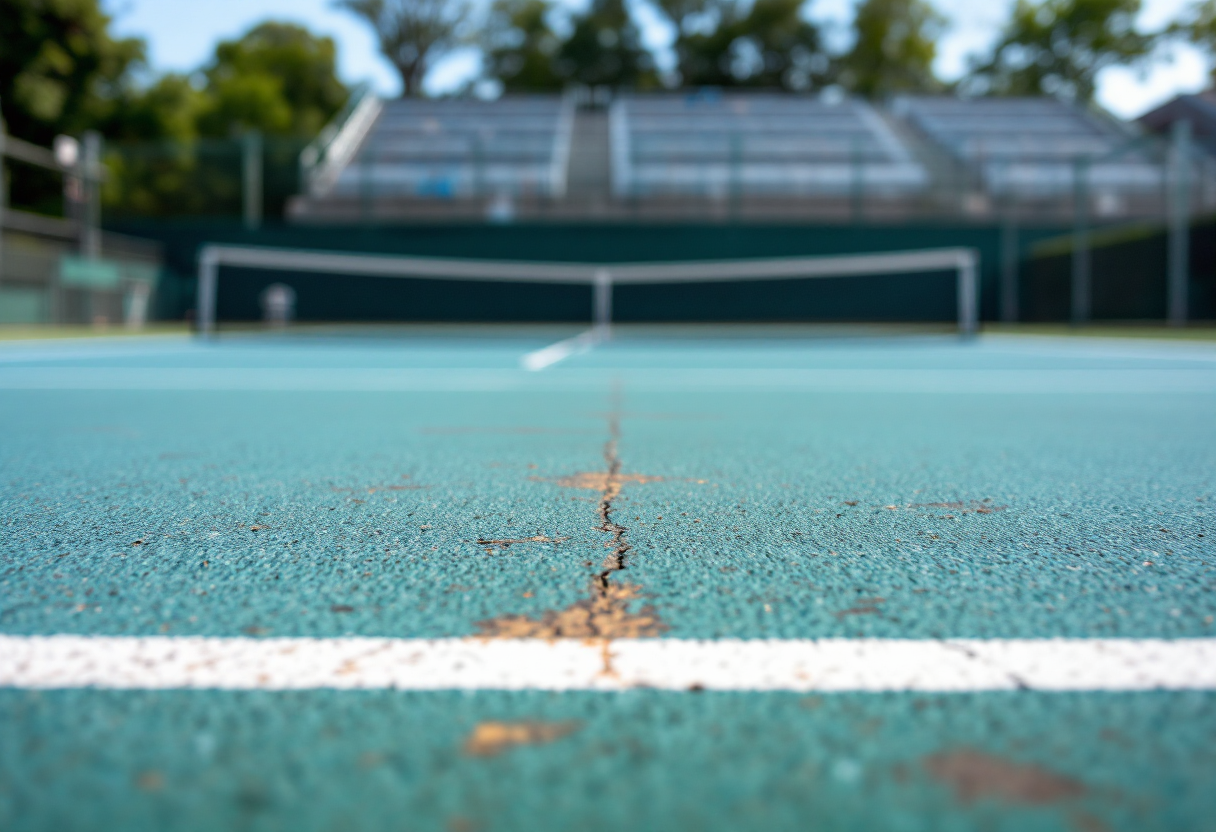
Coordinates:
(425, 485)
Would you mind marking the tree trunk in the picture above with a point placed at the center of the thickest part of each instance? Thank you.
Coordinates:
(411, 78)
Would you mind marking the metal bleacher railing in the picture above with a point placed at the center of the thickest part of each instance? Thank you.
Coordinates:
(323, 159)
(1026, 147)
(1040, 155)
(733, 155)
(448, 148)
(710, 144)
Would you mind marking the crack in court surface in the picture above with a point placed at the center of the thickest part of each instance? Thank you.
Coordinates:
(493, 544)
(605, 614)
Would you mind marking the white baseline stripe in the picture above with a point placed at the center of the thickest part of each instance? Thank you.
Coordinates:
(550, 355)
(456, 379)
(958, 665)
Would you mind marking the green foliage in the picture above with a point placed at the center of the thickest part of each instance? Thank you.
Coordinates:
(60, 69)
(196, 178)
(896, 42)
(277, 78)
(605, 49)
(1199, 27)
(412, 33)
(167, 109)
(689, 16)
(182, 152)
(62, 72)
(238, 104)
(769, 45)
(521, 47)
(1058, 47)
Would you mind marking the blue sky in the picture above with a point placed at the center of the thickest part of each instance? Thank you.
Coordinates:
(182, 33)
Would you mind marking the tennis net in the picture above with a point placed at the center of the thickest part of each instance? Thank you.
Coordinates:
(326, 286)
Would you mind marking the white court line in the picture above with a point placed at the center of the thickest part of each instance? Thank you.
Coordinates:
(550, 355)
(456, 379)
(82, 349)
(958, 665)
(1113, 349)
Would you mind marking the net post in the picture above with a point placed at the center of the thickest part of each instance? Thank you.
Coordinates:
(603, 304)
(968, 294)
(1180, 223)
(208, 274)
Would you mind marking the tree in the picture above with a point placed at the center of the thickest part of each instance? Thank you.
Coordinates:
(700, 41)
(1058, 47)
(521, 47)
(1199, 27)
(60, 69)
(771, 45)
(412, 33)
(688, 16)
(278, 78)
(168, 108)
(894, 48)
(605, 49)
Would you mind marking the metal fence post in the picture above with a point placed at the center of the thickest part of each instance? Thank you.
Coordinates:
(479, 166)
(1081, 279)
(3, 196)
(1011, 259)
(367, 181)
(1180, 222)
(251, 179)
(856, 181)
(90, 237)
(1011, 262)
(735, 176)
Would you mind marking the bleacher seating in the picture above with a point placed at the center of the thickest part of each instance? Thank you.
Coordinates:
(1030, 146)
(451, 148)
(708, 143)
(729, 153)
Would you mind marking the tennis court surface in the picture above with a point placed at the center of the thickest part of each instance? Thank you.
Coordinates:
(691, 578)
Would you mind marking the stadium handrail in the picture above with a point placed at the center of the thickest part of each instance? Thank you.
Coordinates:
(324, 158)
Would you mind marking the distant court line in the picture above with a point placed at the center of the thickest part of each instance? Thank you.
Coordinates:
(873, 665)
(548, 356)
(682, 379)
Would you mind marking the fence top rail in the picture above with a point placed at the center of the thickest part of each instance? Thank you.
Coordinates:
(844, 265)
(30, 153)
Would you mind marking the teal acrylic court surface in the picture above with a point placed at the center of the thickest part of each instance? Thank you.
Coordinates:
(709, 486)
